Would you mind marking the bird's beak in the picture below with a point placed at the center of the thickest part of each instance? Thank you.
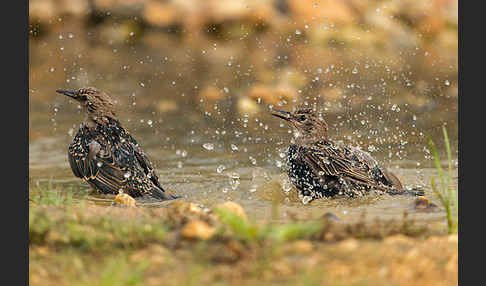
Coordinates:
(69, 93)
(282, 114)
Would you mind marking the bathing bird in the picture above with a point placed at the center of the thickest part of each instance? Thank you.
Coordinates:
(105, 155)
(320, 167)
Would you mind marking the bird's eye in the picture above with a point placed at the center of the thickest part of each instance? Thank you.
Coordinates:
(302, 118)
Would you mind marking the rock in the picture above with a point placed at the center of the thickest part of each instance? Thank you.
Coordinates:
(334, 11)
(124, 200)
(180, 213)
(232, 207)
(330, 217)
(423, 204)
(165, 105)
(160, 14)
(197, 230)
(211, 93)
(41, 10)
(184, 208)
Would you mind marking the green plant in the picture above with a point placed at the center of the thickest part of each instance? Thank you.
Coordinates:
(50, 195)
(446, 193)
(246, 231)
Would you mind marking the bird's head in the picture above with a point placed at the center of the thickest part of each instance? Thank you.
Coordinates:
(310, 125)
(97, 104)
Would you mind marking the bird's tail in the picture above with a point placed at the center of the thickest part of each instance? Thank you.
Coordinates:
(161, 194)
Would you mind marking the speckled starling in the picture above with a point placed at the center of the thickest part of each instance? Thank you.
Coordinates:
(105, 155)
(319, 167)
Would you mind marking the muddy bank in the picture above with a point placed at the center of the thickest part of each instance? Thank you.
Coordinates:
(116, 245)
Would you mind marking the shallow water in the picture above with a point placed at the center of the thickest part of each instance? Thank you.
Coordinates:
(246, 162)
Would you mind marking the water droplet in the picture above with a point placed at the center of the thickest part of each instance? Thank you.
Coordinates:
(298, 32)
(208, 146)
(306, 199)
(234, 180)
(234, 147)
(286, 185)
(220, 169)
(447, 82)
(127, 175)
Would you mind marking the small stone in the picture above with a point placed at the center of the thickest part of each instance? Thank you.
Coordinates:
(160, 14)
(197, 230)
(184, 208)
(330, 217)
(165, 105)
(211, 93)
(232, 207)
(124, 200)
(423, 204)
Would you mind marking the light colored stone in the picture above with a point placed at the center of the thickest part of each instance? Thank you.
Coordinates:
(125, 199)
(197, 230)
(232, 207)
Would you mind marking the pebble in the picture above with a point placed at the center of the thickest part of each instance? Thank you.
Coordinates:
(124, 200)
(232, 207)
(198, 229)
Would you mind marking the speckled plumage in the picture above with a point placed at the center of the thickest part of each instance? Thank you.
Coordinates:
(105, 155)
(319, 167)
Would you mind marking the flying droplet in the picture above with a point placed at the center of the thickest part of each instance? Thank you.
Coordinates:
(220, 169)
(208, 146)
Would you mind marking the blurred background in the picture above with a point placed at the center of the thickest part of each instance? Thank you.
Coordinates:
(194, 82)
(195, 79)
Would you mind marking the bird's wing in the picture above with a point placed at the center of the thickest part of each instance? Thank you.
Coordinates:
(108, 165)
(327, 159)
(79, 156)
(144, 161)
(111, 160)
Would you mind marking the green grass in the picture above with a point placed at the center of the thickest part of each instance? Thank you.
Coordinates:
(86, 244)
(446, 193)
(50, 196)
(96, 231)
(247, 231)
(119, 272)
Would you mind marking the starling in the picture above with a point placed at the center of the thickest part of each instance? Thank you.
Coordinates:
(319, 167)
(105, 155)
